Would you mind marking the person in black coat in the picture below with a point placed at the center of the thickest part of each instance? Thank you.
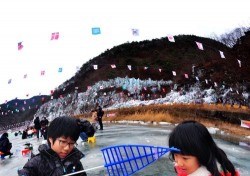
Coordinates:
(37, 126)
(100, 113)
(60, 156)
(5, 145)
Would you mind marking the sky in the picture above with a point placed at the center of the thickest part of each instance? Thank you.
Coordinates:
(32, 22)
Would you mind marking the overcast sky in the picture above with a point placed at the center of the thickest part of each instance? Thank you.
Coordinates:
(32, 22)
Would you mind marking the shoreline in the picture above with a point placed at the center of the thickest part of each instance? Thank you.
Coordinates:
(232, 134)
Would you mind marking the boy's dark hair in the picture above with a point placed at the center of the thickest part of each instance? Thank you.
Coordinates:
(63, 127)
(193, 138)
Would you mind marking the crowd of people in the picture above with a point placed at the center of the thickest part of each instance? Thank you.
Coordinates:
(197, 154)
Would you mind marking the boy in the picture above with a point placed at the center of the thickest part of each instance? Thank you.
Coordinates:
(60, 156)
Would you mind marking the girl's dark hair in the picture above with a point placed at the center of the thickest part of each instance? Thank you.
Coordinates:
(193, 138)
(63, 127)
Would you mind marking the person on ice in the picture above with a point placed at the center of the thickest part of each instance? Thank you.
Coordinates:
(60, 156)
(86, 129)
(199, 155)
(5, 146)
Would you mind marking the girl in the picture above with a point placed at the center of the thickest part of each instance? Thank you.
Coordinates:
(199, 155)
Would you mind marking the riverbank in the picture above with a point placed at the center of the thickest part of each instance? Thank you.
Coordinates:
(225, 118)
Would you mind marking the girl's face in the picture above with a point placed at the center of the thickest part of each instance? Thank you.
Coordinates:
(186, 163)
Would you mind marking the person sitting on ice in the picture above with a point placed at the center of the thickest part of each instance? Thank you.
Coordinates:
(5, 145)
(86, 129)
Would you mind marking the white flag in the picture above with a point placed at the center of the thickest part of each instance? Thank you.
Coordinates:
(129, 67)
(215, 84)
(197, 78)
(113, 66)
(159, 70)
(174, 73)
(222, 55)
(239, 62)
(199, 45)
(171, 38)
(145, 68)
(95, 67)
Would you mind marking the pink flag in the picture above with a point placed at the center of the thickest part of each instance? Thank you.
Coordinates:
(222, 55)
(199, 45)
(19, 46)
(113, 66)
(95, 67)
(171, 38)
(42, 72)
(186, 75)
(54, 36)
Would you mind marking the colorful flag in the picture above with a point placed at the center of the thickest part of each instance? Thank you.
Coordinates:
(222, 55)
(55, 36)
(19, 46)
(42, 72)
(245, 123)
(171, 38)
(60, 69)
(129, 67)
(96, 31)
(199, 45)
(95, 67)
(113, 66)
(135, 32)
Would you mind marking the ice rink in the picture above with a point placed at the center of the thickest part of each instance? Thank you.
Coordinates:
(117, 134)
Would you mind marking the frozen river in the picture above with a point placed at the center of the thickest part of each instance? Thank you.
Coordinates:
(117, 134)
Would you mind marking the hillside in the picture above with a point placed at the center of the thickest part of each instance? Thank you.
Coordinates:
(229, 81)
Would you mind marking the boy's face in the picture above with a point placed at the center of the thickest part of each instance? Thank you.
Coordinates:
(62, 146)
